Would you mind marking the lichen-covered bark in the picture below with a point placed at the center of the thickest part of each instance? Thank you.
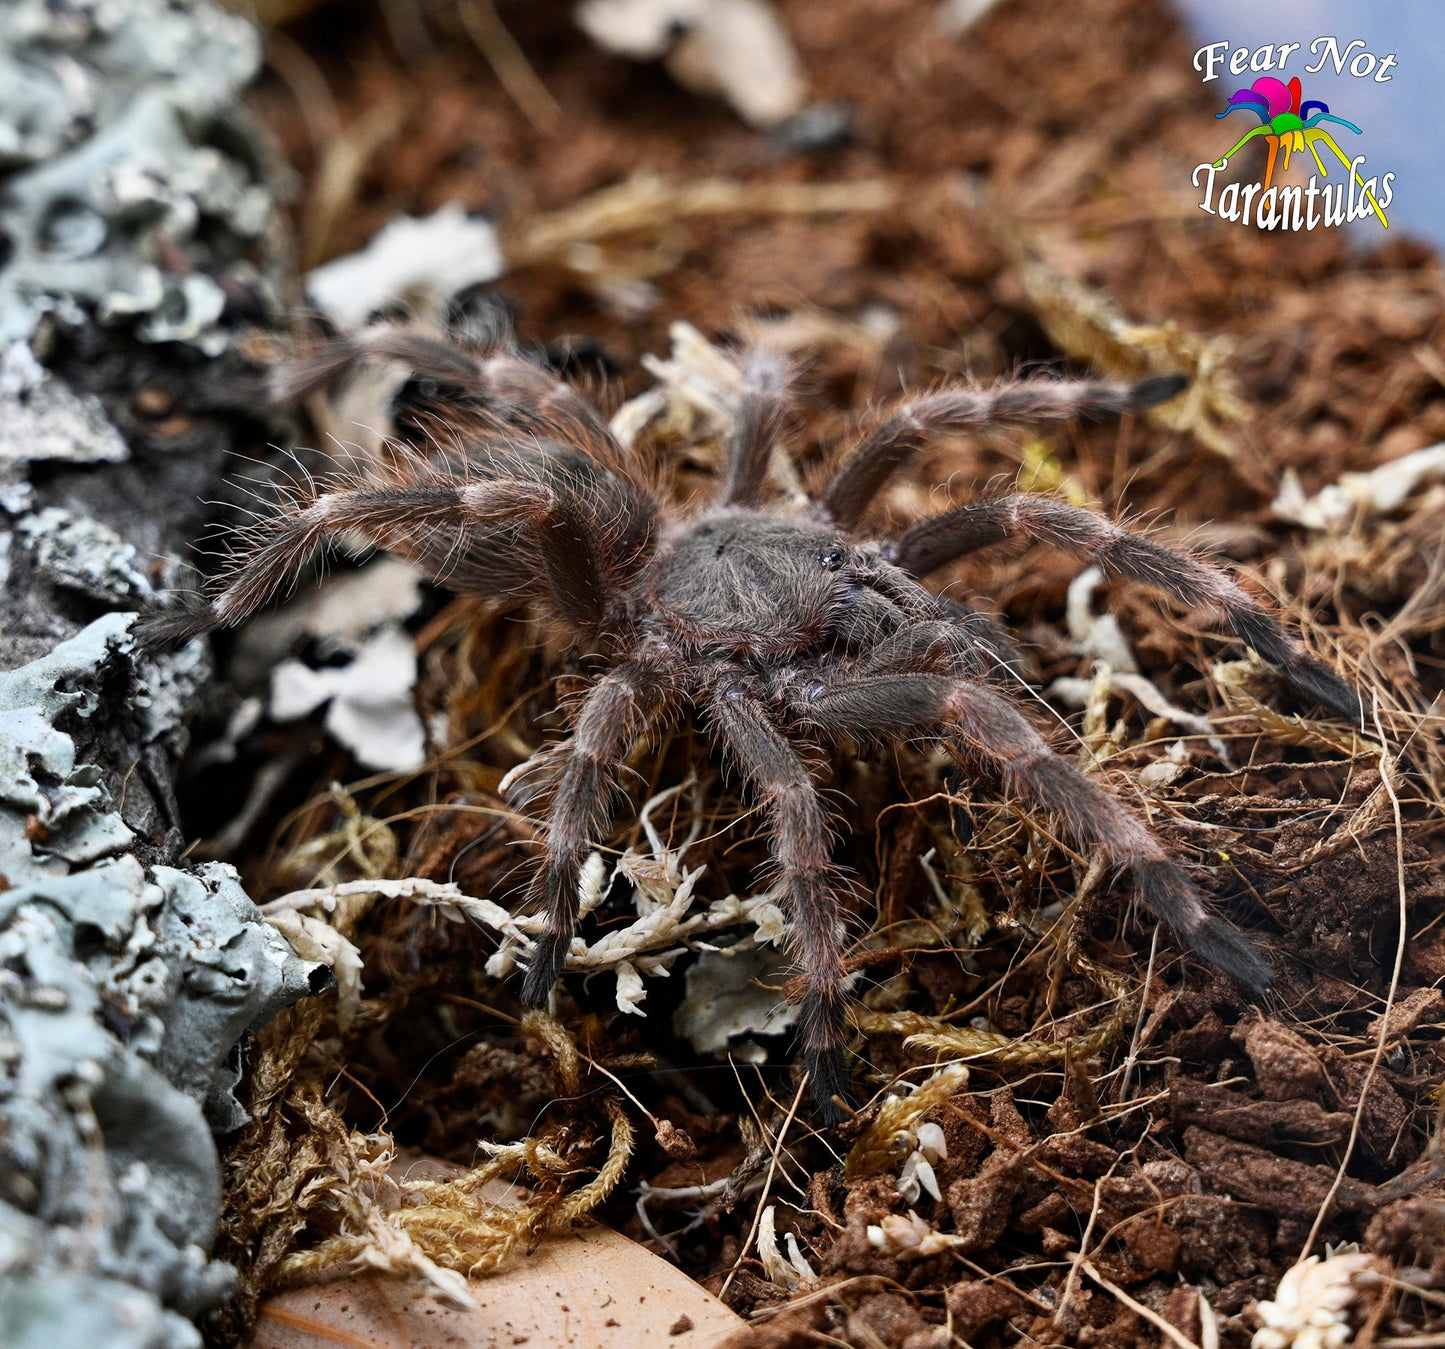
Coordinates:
(134, 210)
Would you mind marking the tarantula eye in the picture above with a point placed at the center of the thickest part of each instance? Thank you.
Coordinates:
(832, 559)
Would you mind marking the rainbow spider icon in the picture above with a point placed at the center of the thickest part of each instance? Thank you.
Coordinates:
(1285, 124)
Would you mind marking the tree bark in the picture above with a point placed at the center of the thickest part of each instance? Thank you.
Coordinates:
(137, 242)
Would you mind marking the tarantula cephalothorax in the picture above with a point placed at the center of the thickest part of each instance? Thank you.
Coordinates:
(785, 631)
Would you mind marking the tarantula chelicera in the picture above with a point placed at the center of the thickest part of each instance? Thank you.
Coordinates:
(785, 631)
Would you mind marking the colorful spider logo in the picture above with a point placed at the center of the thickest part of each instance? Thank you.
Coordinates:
(1287, 125)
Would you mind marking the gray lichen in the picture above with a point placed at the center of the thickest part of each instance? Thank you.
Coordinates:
(42, 420)
(137, 214)
(124, 993)
(132, 194)
(53, 810)
(84, 555)
(135, 206)
(730, 999)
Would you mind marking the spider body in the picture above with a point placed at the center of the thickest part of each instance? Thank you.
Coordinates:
(784, 633)
(744, 581)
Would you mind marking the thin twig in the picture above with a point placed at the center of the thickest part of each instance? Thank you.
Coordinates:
(335, 181)
(1139, 1309)
(767, 1187)
(1386, 769)
(510, 65)
(1133, 1055)
(1083, 1245)
(325, 897)
(649, 202)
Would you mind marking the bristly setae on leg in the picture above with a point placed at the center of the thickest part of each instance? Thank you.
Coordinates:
(784, 633)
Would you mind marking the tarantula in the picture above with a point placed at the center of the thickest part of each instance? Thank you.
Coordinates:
(787, 632)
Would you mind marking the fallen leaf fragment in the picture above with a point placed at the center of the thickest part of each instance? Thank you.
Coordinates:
(372, 711)
(592, 1288)
(1377, 492)
(737, 48)
(432, 257)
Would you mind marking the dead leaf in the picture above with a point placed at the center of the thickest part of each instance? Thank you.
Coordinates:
(592, 1288)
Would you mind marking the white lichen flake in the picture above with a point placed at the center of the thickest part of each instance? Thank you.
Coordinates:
(1314, 1305)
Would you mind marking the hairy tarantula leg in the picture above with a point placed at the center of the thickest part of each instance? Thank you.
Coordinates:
(329, 361)
(960, 642)
(535, 399)
(983, 725)
(978, 646)
(987, 635)
(393, 518)
(759, 422)
(1031, 400)
(801, 839)
(619, 708)
(932, 543)
(542, 402)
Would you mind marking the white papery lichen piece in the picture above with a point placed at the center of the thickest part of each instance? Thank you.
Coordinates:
(1378, 492)
(909, 1238)
(315, 939)
(666, 926)
(740, 49)
(1074, 692)
(1312, 1306)
(1092, 634)
(423, 260)
(784, 1270)
(696, 398)
(1100, 636)
(916, 1178)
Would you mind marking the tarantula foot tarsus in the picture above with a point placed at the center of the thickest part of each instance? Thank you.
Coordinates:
(545, 963)
(786, 633)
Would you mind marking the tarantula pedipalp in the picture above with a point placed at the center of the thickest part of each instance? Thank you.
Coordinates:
(786, 632)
